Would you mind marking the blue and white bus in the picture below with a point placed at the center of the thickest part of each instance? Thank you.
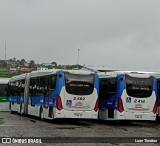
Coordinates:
(55, 94)
(127, 96)
(4, 104)
(158, 95)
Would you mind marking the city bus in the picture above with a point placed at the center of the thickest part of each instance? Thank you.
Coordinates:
(52, 94)
(158, 95)
(4, 104)
(127, 96)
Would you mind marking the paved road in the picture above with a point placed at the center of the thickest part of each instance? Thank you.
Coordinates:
(13, 125)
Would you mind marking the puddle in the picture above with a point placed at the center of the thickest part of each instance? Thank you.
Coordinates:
(1, 121)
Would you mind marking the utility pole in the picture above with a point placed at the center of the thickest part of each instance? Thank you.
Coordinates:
(78, 58)
(5, 50)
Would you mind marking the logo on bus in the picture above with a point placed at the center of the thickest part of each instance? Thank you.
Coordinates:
(128, 100)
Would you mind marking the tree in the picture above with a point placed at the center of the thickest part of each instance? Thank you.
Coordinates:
(31, 64)
(14, 59)
(54, 63)
(22, 61)
(50, 67)
(3, 63)
(10, 60)
(18, 62)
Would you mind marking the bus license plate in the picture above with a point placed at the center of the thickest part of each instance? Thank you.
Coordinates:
(78, 114)
(138, 116)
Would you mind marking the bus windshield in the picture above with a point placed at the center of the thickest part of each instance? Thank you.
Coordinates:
(79, 84)
(3, 90)
(107, 87)
(139, 87)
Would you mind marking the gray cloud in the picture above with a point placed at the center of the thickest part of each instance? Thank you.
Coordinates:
(111, 33)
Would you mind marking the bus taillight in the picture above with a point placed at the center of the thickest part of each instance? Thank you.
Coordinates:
(59, 103)
(96, 106)
(120, 105)
(155, 107)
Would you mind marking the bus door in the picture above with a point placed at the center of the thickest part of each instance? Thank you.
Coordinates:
(33, 91)
(107, 97)
(49, 82)
(79, 93)
(46, 91)
(18, 88)
(138, 95)
(3, 93)
(51, 94)
(26, 95)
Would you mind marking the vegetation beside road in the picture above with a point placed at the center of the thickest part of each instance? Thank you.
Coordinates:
(12, 67)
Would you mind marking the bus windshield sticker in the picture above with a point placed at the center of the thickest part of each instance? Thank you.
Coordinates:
(128, 100)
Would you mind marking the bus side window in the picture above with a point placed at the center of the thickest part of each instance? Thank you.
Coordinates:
(38, 87)
(22, 87)
(41, 86)
(18, 88)
(31, 87)
(46, 89)
(52, 84)
(34, 86)
(10, 89)
(14, 88)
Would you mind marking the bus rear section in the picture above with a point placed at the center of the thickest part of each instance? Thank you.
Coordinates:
(158, 96)
(134, 98)
(138, 100)
(4, 104)
(78, 97)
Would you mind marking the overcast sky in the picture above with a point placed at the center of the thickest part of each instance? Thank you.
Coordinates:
(114, 33)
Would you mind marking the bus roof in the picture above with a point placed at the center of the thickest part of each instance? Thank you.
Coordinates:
(49, 72)
(80, 72)
(18, 77)
(132, 74)
(4, 80)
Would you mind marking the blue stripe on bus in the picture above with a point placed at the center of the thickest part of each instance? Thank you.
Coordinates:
(96, 83)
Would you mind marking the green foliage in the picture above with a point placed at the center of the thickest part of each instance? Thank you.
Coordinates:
(3, 63)
(31, 64)
(4, 72)
(18, 63)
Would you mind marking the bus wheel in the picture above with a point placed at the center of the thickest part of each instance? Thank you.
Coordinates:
(41, 113)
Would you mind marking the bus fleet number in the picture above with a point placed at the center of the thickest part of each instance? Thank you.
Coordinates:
(139, 101)
(79, 98)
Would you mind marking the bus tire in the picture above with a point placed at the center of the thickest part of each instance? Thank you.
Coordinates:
(41, 114)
